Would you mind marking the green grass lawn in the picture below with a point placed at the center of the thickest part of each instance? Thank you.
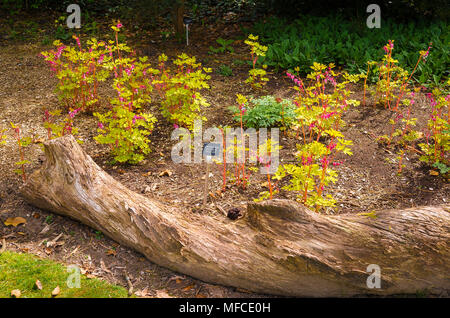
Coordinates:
(20, 271)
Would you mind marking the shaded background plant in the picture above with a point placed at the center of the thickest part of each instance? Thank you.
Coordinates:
(336, 39)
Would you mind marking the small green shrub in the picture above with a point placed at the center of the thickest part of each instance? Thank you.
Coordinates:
(267, 111)
(225, 70)
(224, 46)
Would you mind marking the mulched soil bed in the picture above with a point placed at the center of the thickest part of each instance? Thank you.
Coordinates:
(367, 182)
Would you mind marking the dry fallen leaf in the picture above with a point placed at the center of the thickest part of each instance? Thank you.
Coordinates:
(111, 252)
(38, 284)
(434, 173)
(142, 293)
(188, 287)
(15, 293)
(219, 193)
(56, 291)
(54, 241)
(15, 221)
(177, 279)
(162, 294)
(45, 229)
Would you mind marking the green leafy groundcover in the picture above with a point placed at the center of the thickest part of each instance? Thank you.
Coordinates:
(20, 271)
(334, 39)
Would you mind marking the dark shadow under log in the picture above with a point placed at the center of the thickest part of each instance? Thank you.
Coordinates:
(279, 247)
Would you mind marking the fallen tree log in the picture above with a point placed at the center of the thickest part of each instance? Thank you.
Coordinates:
(279, 247)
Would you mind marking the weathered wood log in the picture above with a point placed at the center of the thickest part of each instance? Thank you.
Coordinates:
(279, 247)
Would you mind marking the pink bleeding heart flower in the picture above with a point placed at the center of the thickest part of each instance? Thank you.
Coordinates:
(60, 49)
(327, 115)
(324, 161)
(391, 44)
(331, 146)
(74, 112)
(428, 51)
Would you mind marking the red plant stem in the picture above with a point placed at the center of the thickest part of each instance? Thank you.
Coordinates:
(402, 90)
(435, 141)
(243, 151)
(303, 131)
(392, 132)
(400, 162)
(270, 186)
(324, 169)
(388, 86)
(378, 92)
(305, 193)
(415, 150)
(118, 52)
(365, 81)
(310, 133)
(403, 134)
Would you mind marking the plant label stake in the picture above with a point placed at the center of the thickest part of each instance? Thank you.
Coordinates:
(210, 150)
(187, 21)
(205, 189)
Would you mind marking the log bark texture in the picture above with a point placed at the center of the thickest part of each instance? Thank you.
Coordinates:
(279, 247)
